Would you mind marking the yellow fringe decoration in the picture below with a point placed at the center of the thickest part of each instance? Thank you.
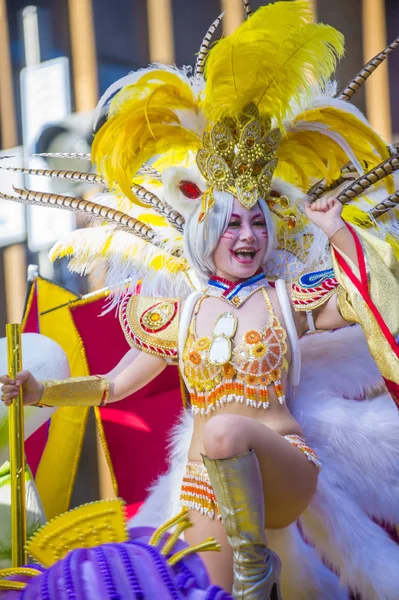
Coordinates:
(158, 533)
(175, 536)
(210, 545)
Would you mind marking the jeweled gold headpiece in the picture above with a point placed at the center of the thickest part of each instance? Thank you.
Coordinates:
(239, 156)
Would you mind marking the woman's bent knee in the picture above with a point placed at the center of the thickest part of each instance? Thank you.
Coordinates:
(224, 437)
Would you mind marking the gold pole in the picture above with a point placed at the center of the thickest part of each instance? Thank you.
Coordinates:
(17, 454)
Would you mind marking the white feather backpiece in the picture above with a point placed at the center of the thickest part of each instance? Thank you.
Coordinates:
(125, 259)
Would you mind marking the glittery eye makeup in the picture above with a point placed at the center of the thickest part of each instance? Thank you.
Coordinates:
(235, 220)
(234, 224)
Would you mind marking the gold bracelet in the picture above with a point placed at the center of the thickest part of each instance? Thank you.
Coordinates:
(335, 232)
(92, 390)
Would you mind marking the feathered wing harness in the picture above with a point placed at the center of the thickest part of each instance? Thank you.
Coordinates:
(171, 139)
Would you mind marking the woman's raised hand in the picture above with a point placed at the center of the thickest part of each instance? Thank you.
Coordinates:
(32, 388)
(326, 214)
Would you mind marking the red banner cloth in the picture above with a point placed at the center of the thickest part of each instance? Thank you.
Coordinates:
(136, 428)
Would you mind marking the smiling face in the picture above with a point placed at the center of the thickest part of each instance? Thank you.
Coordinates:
(242, 247)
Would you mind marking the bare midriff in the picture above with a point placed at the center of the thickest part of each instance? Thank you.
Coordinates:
(252, 315)
(276, 417)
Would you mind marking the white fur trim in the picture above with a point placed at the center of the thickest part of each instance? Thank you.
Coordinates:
(164, 495)
(303, 575)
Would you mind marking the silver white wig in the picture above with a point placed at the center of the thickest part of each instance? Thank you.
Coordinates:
(201, 239)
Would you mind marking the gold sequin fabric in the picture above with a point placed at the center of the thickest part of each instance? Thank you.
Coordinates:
(197, 493)
(255, 364)
(382, 270)
(77, 391)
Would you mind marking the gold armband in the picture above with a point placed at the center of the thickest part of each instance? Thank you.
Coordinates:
(77, 391)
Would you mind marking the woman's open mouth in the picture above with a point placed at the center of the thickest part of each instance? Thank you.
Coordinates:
(244, 255)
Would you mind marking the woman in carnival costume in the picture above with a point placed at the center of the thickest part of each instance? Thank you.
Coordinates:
(235, 182)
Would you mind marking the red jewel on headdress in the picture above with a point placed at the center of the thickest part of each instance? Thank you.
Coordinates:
(190, 189)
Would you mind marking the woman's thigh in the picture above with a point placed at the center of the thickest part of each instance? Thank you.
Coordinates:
(218, 564)
(289, 478)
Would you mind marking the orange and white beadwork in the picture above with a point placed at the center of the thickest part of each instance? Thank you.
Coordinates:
(196, 491)
(251, 367)
(300, 443)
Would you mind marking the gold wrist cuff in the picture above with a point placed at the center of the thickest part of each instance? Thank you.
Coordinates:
(77, 391)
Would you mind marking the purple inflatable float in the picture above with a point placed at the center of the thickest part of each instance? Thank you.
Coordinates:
(147, 565)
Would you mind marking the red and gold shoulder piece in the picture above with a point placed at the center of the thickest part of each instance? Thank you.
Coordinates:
(313, 289)
(151, 324)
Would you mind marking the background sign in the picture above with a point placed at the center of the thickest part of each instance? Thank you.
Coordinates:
(46, 100)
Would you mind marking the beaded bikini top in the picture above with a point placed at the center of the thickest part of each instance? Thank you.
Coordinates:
(218, 372)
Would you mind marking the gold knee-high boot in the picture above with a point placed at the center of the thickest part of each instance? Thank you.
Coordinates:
(237, 483)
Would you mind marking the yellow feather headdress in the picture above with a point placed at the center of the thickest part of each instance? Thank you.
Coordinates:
(270, 60)
(144, 121)
(165, 112)
(161, 119)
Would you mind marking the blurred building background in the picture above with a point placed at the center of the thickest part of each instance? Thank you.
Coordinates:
(58, 56)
